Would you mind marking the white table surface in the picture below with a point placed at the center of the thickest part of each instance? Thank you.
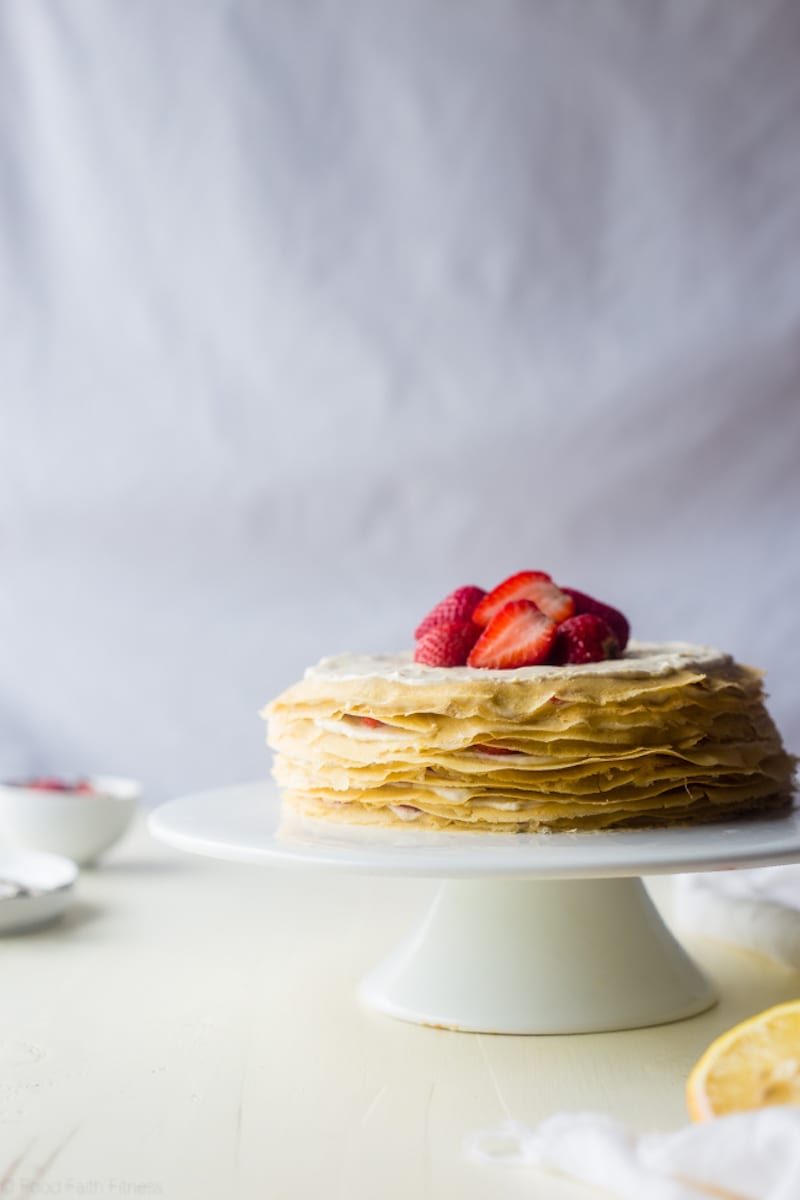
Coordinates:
(189, 1030)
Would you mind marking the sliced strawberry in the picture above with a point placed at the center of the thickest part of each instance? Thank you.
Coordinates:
(526, 585)
(371, 722)
(447, 645)
(458, 606)
(617, 621)
(552, 601)
(519, 635)
(585, 638)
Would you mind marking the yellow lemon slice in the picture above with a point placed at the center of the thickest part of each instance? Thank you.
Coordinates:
(752, 1065)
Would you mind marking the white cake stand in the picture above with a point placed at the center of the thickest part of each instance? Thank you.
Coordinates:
(529, 933)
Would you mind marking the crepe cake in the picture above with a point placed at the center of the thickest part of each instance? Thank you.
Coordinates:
(567, 726)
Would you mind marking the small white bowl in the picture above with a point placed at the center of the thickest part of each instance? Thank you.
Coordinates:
(79, 825)
(34, 888)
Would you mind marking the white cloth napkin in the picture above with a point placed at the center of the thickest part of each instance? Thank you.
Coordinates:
(758, 909)
(746, 1156)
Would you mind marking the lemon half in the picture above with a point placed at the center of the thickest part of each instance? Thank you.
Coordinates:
(755, 1064)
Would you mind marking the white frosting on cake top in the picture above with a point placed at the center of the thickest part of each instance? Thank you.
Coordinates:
(639, 659)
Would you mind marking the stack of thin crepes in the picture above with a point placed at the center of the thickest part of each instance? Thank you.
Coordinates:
(667, 734)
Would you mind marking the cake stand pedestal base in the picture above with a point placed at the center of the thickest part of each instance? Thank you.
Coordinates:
(539, 957)
(537, 933)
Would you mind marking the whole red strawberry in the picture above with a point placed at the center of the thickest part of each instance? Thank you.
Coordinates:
(447, 645)
(587, 604)
(582, 639)
(458, 606)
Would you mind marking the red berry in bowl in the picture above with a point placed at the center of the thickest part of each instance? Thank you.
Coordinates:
(50, 783)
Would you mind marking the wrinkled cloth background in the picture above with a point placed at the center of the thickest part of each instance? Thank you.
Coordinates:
(311, 312)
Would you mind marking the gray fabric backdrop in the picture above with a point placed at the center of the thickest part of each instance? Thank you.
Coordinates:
(311, 312)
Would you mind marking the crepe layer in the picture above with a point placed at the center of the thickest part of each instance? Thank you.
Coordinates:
(669, 734)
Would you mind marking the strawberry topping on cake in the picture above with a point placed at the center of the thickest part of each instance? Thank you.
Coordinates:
(527, 620)
(447, 645)
(612, 616)
(459, 606)
(585, 638)
(519, 635)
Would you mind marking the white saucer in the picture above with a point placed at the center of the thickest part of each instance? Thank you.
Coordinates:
(46, 884)
(533, 933)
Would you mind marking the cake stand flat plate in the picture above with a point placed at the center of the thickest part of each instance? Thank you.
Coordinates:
(244, 824)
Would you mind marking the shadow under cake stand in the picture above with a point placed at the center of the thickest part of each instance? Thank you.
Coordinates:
(528, 933)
